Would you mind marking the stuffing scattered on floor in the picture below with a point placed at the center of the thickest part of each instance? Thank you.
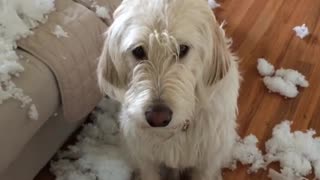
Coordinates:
(292, 76)
(246, 152)
(264, 67)
(59, 32)
(97, 154)
(17, 18)
(301, 31)
(277, 84)
(284, 81)
(298, 152)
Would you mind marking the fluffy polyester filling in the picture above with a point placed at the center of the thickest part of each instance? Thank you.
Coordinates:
(17, 18)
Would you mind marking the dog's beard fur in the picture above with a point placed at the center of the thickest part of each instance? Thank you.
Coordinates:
(200, 89)
(161, 78)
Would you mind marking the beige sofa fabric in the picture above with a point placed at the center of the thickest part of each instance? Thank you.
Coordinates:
(16, 129)
(109, 5)
(36, 153)
(73, 60)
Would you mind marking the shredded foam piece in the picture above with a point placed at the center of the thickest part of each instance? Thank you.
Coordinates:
(17, 18)
(97, 155)
(264, 67)
(59, 32)
(293, 76)
(296, 151)
(102, 12)
(213, 4)
(246, 152)
(301, 31)
(284, 81)
(279, 85)
(33, 112)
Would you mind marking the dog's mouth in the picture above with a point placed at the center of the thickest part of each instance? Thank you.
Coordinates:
(178, 127)
(166, 133)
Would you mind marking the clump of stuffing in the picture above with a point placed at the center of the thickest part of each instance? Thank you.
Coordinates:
(264, 67)
(97, 155)
(59, 32)
(33, 112)
(278, 85)
(301, 31)
(17, 18)
(102, 12)
(246, 152)
(292, 76)
(274, 175)
(297, 152)
(284, 81)
(213, 4)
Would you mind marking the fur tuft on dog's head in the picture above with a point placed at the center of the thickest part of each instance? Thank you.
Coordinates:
(160, 28)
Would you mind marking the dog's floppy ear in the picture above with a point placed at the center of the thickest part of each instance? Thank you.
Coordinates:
(221, 59)
(109, 76)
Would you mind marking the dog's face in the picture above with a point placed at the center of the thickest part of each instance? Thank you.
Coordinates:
(160, 53)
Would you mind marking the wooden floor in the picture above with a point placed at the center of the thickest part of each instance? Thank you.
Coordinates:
(263, 28)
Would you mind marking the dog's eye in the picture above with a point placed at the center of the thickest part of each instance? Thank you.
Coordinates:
(139, 53)
(184, 49)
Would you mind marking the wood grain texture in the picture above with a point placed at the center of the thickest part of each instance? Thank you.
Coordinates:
(264, 29)
(261, 28)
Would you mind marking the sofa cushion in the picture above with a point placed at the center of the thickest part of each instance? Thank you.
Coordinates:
(109, 5)
(16, 128)
(73, 59)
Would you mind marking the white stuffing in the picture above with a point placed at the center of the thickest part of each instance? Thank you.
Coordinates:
(102, 12)
(17, 18)
(264, 67)
(284, 81)
(59, 32)
(301, 31)
(97, 155)
(274, 175)
(213, 4)
(246, 152)
(278, 85)
(293, 76)
(33, 112)
(296, 151)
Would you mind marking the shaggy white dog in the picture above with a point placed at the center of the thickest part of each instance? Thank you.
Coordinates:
(168, 62)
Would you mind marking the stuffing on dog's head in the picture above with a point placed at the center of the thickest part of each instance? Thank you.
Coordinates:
(160, 53)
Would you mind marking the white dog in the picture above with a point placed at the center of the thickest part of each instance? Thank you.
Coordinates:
(168, 62)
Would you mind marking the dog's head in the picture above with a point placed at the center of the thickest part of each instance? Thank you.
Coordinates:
(160, 53)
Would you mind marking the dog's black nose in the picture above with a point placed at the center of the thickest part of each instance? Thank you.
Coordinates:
(158, 115)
